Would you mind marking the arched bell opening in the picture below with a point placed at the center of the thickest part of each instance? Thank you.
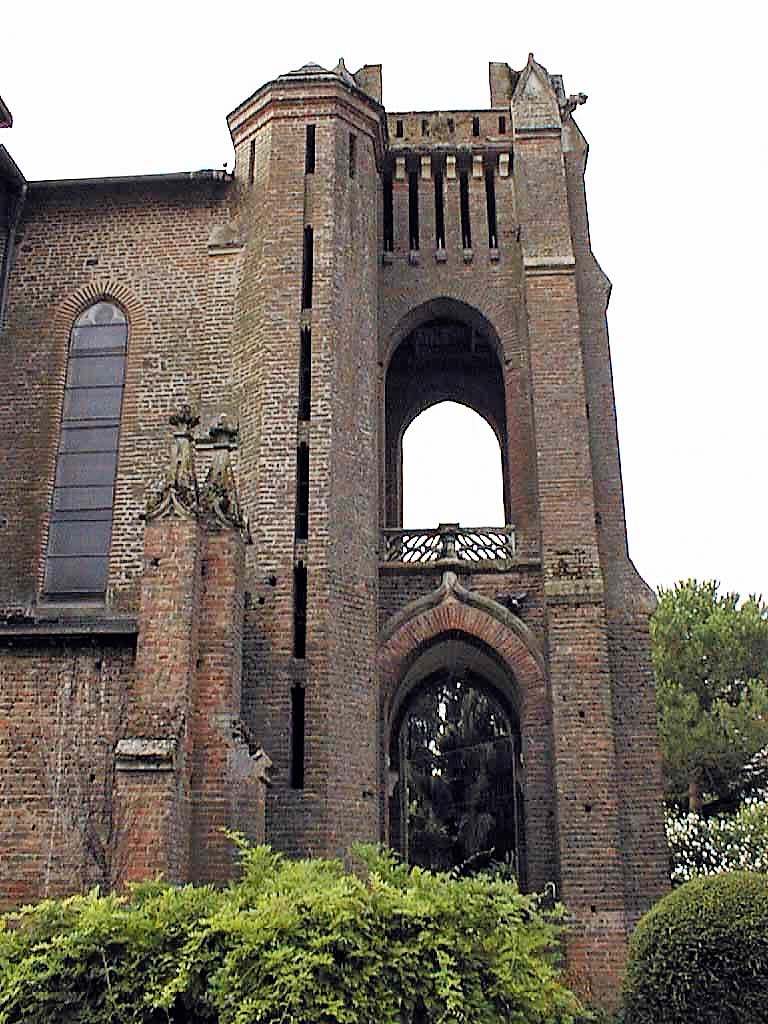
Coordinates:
(446, 352)
(456, 781)
(452, 469)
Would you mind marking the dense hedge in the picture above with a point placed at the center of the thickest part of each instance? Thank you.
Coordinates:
(701, 955)
(300, 942)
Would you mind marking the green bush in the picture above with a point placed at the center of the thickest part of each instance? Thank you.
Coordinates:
(701, 955)
(300, 942)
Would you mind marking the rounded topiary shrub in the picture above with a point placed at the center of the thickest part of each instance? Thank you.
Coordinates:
(701, 955)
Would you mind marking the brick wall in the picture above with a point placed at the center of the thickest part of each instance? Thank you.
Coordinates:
(209, 273)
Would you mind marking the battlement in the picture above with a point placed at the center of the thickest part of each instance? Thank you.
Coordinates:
(450, 129)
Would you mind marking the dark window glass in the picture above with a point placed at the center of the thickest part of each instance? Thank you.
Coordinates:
(76, 576)
(81, 514)
(82, 499)
(81, 469)
(92, 403)
(79, 538)
(88, 439)
(96, 371)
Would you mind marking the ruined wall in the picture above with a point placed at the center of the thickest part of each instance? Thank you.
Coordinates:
(63, 701)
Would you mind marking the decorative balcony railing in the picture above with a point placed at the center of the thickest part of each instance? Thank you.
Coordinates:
(449, 542)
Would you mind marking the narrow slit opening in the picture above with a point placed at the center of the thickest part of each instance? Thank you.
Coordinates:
(305, 374)
(502, 125)
(439, 211)
(251, 161)
(302, 491)
(300, 611)
(307, 269)
(297, 737)
(389, 217)
(490, 202)
(475, 126)
(399, 129)
(413, 210)
(309, 151)
(466, 230)
(352, 154)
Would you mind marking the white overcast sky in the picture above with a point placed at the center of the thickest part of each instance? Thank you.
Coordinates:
(676, 185)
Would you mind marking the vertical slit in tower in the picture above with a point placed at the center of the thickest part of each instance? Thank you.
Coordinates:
(439, 211)
(305, 374)
(300, 610)
(307, 268)
(389, 218)
(297, 737)
(466, 231)
(413, 210)
(490, 202)
(252, 161)
(352, 154)
(302, 491)
(309, 150)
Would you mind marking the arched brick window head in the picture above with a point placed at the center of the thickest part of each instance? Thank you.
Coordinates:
(81, 515)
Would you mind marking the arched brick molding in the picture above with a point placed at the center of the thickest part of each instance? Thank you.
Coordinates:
(440, 307)
(452, 609)
(62, 320)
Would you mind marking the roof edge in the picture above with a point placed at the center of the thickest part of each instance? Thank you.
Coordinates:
(191, 177)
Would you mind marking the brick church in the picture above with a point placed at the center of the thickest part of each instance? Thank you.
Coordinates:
(210, 612)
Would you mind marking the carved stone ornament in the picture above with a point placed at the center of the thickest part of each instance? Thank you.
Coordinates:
(178, 493)
(568, 105)
(219, 499)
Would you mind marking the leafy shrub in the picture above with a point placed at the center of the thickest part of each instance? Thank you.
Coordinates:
(300, 942)
(701, 954)
(709, 846)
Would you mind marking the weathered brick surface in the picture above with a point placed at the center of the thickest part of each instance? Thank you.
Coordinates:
(209, 273)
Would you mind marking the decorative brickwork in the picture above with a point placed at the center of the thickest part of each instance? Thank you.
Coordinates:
(357, 267)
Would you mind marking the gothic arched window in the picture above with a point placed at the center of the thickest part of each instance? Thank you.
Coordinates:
(81, 515)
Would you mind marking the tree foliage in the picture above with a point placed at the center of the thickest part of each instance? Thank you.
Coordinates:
(726, 842)
(459, 768)
(299, 942)
(710, 657)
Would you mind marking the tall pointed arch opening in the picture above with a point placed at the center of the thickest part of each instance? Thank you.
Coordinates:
(80, 532)
(444, 351)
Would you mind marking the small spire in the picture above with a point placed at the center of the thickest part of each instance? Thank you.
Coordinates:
(219, 499)
(177, 494)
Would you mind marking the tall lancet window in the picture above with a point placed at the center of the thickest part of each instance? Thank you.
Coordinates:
(81, 515)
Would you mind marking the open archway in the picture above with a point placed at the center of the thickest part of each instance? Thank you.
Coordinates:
(452, 469)
(444, 351)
